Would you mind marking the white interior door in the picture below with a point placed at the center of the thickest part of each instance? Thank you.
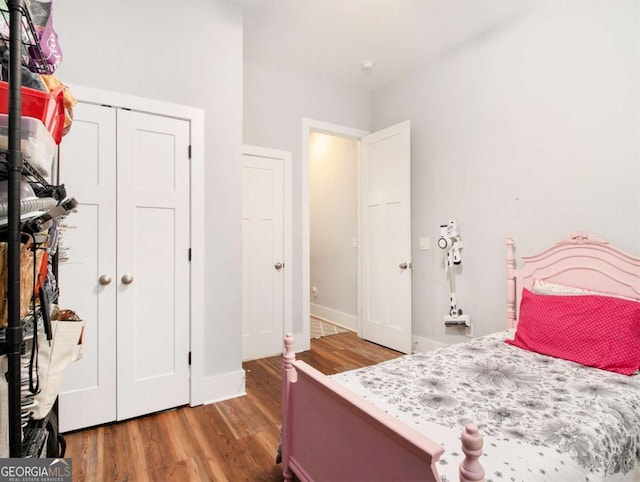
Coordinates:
(88, 169)
(265, 295)
(386, 237)
(153, 263)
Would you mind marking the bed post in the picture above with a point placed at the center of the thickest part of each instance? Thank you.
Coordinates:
(288, 376)
(470, 468)
(511, 285)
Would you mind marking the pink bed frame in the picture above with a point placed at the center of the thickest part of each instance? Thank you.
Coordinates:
(582, 260)
(329, 433)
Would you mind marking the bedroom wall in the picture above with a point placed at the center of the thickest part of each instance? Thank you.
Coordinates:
(192, 57)
(530, 129)
(333, 225)
(276, 99)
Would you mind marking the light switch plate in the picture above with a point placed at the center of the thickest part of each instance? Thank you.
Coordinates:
(425, 243)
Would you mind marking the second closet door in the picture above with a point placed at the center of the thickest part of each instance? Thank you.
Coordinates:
(128, 272)
(153, 263)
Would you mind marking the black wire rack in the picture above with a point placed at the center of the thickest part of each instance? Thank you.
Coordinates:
(19, 39)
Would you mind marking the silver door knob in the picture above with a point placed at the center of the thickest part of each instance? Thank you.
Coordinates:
(127, 279)
(104, 280)
(278, 265)
(404, 265)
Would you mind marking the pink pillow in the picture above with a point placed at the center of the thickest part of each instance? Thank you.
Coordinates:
(596, 331)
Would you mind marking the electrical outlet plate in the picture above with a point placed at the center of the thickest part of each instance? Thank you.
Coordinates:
(425, 243)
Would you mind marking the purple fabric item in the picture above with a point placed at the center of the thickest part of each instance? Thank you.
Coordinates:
(48, 42)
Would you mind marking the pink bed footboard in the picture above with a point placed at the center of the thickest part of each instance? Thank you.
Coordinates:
(330, 434)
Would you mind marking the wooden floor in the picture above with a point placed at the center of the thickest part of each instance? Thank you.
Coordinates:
(234, 440)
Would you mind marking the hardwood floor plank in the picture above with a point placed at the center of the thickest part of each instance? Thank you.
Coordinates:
(117, 461)
(233, 440)
(87, 464)
(156, 445)
(138, 452)
(242, 417)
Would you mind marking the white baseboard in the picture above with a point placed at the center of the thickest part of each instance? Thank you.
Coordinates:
(223, 387)
(336, 317)
(421, 344)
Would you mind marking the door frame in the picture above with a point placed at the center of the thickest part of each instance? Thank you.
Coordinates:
(287, 225)
(303, 340)
(195, 117)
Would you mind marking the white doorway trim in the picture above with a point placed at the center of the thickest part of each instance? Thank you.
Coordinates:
(195, 116)
(285, 156)
(303, 341)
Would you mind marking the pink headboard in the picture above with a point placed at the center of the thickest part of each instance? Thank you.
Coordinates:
(582, 261)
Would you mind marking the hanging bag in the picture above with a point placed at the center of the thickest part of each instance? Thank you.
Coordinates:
(53, 358)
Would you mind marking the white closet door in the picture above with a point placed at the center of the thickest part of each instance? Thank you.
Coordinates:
(88, 170)
(263, 270)
(153, 267)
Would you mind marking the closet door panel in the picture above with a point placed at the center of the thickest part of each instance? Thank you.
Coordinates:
(88, 169)
(154, 294)
(153, 266)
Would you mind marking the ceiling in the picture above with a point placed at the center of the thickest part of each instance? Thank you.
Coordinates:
(331, 38)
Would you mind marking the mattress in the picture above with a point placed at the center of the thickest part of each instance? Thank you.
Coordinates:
(542, 418)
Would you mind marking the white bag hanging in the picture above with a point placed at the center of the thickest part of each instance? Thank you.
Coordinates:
(66, 346)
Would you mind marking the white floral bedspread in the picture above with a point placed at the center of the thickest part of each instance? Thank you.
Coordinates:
(542, 418)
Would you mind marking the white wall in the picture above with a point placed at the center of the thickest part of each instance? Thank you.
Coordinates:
(276, 99)
(530, 130)
(333, 208)
(190, 56)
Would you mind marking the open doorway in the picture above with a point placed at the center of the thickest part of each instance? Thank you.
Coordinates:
(310, 126)
(333, 233)
(384, 233)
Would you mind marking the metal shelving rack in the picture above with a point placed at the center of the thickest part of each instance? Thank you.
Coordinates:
(19, 22)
